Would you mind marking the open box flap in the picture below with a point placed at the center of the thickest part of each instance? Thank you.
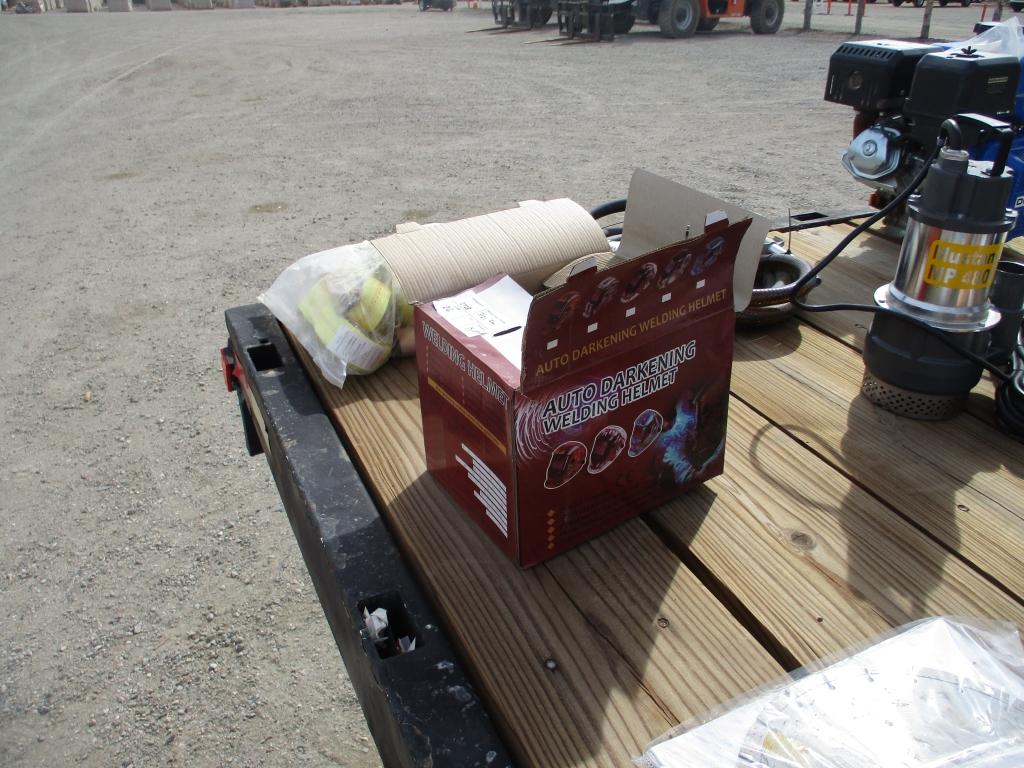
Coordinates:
(660, 212)
(600, 311)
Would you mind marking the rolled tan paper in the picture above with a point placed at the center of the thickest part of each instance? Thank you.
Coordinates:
(528, 243)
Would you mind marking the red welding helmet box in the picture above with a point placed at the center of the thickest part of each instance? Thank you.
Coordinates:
(552, 418)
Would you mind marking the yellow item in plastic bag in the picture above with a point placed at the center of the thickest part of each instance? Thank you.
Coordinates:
(356, 325)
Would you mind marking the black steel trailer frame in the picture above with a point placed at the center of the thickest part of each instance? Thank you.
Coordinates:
(421, 706)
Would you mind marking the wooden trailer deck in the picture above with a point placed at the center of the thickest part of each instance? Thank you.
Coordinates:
(834, 521)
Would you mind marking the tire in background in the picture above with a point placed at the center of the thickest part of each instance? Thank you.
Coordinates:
(766, 16)
(679, 18)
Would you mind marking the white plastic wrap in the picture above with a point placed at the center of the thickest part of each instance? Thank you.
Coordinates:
(344, 307)
(1004, 37)
(938, 693)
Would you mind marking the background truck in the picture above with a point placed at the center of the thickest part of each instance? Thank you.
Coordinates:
(676, 18)
(683, 18)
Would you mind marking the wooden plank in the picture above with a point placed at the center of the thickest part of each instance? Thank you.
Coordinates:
(818, 561)
(958, 480)
(621, 676)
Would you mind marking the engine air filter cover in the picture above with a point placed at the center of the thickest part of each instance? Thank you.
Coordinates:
(874, 75)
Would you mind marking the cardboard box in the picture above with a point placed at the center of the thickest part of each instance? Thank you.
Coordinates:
(552, 418)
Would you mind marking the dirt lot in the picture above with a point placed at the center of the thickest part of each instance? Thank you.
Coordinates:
(159, 168)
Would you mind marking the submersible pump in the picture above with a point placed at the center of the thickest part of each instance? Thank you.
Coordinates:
(950, 258)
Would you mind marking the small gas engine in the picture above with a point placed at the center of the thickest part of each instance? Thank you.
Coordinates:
(904, 91)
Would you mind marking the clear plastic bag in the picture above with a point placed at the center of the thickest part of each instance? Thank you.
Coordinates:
(1004, 37)
(344, 306)
(938, 693)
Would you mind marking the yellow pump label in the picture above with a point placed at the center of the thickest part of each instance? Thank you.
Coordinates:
(962, 267)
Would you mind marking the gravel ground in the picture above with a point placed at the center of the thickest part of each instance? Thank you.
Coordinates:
(159, 168)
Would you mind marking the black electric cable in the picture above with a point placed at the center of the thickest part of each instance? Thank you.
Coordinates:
(949, 127)
(607, 209)
(1010, 390)
(899, 199)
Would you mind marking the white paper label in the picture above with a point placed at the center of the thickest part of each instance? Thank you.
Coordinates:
(357, 350)
(470, 315)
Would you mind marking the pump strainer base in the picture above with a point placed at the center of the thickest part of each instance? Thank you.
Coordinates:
(914, 405)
